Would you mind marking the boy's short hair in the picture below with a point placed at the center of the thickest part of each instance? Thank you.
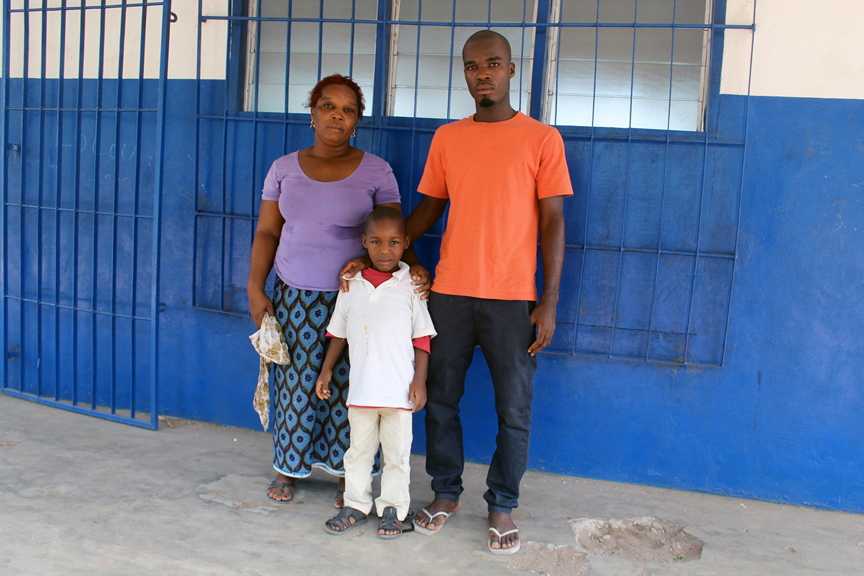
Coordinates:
(385, 213)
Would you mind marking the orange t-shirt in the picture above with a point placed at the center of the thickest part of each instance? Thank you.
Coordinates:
(494, 174)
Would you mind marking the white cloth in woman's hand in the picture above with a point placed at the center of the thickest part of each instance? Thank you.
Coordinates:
(270, 344)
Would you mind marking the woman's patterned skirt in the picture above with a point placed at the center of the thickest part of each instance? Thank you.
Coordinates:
(307, 432)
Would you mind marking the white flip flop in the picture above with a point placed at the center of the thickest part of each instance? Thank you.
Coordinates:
(507, 551)
(427, 531)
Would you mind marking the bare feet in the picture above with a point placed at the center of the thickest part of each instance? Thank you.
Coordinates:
(433, 520)
(339, 502)
(282, 488)
(503, 523)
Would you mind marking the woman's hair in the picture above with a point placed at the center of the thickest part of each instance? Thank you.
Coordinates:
(315, 94)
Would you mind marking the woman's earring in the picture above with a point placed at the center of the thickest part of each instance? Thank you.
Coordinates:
(353, 134)
(312, 124)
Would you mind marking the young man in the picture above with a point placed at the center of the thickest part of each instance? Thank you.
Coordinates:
(387, 328)
(506, 177)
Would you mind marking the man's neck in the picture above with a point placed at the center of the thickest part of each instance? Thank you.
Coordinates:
(497, 113)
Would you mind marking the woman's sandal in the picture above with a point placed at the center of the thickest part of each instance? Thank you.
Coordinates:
(346, 519)
(282, 486)
(390, 521)
(339, 501)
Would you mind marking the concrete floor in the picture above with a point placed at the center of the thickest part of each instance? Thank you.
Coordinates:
(79, 495)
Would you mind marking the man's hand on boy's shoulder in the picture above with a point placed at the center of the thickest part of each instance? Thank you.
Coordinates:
(417, 394)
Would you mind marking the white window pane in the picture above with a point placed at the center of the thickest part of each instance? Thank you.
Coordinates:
(271, 97)
(654, 45)
(304, 69)
(662, 67)
(273, 36)
(612, 112)
(688, 46)
(613, 79)
(432, 11)
(494, 11)
(652, 81)
(685, 115)
(574, 77)
(650, 113)
(577, 43)
(572, 110)
(271, 68)
(298, 95)
(303, 73)
(615, 44)
(686, 80)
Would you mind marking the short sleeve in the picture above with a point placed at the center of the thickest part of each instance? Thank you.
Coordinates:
(421, 320)
(553, 177)
(387, 191)
(272, 182)
(434, 182)
(338, 325)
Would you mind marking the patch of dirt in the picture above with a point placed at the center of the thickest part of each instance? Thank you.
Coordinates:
(242, 492)
(646, 539)
(550, 560)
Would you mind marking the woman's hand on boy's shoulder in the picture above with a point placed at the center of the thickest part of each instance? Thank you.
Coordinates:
(351, 268)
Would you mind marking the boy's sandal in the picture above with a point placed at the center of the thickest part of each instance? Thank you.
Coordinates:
(390, 521)
(339, 501)
(281, 486)
(346, 519)
(500, 535)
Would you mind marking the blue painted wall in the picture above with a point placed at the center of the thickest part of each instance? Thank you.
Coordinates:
(781, 421)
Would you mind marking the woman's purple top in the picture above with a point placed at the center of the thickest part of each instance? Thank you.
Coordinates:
(324, 220)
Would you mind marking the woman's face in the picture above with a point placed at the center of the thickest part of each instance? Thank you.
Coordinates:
(335, 114)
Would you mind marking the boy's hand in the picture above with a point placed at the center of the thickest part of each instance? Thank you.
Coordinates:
(417, 394)
(322, 386)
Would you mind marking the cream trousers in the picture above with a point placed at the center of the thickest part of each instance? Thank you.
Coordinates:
(391, 428)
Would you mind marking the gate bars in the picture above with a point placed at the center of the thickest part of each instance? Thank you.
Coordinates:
(82, 188)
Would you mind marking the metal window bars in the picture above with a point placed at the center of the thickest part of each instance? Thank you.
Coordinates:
(652, 231)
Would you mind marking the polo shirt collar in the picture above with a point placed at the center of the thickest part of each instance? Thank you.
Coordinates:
(399, 274)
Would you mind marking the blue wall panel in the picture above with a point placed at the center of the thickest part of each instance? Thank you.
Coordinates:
(780, 421)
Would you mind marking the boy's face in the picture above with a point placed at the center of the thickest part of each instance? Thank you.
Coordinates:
(385, 243)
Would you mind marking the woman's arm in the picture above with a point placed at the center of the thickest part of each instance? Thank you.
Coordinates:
(270, 222)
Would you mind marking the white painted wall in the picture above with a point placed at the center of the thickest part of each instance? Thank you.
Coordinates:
(802, 48)
(181, 57)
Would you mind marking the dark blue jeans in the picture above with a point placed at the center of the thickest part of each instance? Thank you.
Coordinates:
(504, 332)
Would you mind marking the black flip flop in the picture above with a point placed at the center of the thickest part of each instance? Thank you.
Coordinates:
(390, 521)
(341, 523)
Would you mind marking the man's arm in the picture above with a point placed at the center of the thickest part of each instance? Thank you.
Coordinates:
(552, 255)
(419, 221)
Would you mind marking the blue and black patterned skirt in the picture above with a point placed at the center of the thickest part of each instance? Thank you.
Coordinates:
(307, 432)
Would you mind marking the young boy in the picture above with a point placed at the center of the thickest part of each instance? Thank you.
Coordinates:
(388, 329)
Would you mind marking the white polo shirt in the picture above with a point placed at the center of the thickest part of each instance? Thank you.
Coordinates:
(380, 324)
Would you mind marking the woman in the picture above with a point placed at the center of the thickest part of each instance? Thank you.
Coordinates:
(313, 208)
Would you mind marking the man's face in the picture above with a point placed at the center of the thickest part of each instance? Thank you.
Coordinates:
(385, 242)
(488, 71)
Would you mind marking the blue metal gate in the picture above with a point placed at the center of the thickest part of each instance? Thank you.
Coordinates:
(83, 128)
